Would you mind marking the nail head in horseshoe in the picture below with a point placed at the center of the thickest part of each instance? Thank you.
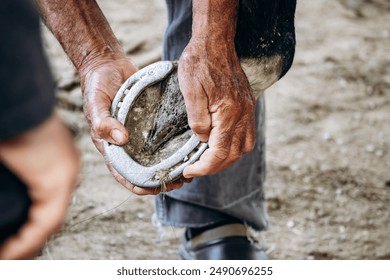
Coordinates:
(135, 107)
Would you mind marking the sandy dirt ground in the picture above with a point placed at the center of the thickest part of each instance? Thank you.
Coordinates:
(328, 143)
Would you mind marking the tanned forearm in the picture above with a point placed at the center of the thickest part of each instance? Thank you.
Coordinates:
(81, 29)
(215, 20)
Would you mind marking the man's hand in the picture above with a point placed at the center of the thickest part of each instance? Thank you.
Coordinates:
(46, 160)
(217, 94)
(100, 81)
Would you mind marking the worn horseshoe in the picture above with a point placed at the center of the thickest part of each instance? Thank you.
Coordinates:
(131, 169)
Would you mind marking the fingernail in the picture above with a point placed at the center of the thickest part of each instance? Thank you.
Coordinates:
(118, 136)
(201, 137)
(187, 176)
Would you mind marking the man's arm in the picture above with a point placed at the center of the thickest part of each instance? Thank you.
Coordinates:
(86, 37)
(81, 29)
(218, 97)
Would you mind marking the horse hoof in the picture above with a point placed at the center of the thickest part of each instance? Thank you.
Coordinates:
(150, 105)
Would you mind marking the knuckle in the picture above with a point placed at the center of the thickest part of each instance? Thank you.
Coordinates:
(99, 128)
(222, 154)
(230, 107)
(97, 125)
(237, 151)
(200, 127)
(234, 157)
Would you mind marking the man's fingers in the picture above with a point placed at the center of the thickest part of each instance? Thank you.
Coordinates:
(161, 189)
(143, 191)
(102, 124)
(110, 130)
(225, 147)
(213, 158)
(206, 165)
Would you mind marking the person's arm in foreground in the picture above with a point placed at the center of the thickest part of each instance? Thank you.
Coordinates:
(46, 160)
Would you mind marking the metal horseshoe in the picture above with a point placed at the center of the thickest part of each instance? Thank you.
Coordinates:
(124, 164)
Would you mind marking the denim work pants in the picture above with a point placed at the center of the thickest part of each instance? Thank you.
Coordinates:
(234, 192)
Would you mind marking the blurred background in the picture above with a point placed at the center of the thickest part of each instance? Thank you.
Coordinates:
(328, 143)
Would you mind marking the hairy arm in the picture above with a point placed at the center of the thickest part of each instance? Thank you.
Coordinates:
(86, 37)
(81, 29)
(218, 97)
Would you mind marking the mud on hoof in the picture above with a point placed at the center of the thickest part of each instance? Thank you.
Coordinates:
(152, 108)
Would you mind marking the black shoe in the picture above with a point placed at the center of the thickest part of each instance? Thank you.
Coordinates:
(227, 242)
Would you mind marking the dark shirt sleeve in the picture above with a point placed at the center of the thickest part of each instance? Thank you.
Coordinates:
(14, 203)
(26, 84)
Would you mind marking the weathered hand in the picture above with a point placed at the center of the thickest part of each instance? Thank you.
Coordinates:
(100, 82)
(46, 160)
(220, 105)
